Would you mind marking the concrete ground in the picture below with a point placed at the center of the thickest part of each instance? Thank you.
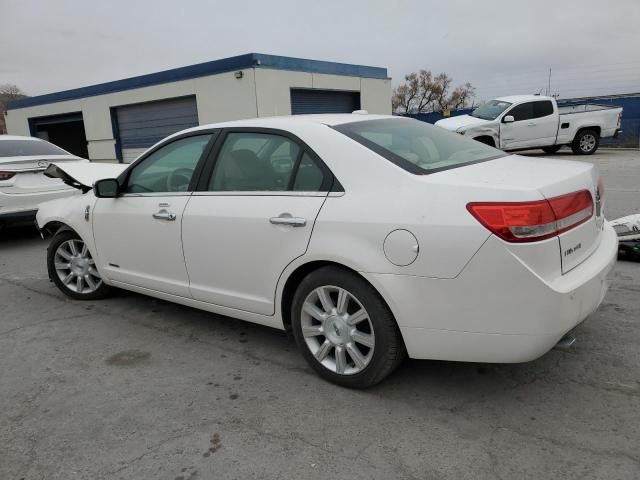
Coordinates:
(136, 388)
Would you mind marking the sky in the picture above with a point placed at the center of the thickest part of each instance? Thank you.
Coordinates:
(502, 47)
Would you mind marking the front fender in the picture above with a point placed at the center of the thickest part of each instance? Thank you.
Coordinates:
(73, 213)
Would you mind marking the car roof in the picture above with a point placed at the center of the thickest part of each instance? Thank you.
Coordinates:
(290, 121)
(19, 137)
(522, 98)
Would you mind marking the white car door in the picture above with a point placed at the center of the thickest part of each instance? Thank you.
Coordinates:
(138, 233)
(535, 125)
(252, 216)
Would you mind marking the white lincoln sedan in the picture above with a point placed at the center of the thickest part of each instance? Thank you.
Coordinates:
(23, 186)
(368, 237)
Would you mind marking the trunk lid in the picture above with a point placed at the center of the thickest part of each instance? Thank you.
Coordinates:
(524, 178)
(29, 173)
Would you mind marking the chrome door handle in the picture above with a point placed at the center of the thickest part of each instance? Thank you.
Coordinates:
(287, 219)
(164, 215)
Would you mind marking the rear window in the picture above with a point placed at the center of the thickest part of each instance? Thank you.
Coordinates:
(26, 148)
(416, 146)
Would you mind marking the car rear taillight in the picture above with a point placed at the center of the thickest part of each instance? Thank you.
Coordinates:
(6, 175)
(534, 221)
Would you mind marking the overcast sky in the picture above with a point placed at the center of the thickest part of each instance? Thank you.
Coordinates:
(500, 46)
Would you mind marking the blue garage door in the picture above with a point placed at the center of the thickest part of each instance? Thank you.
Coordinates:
(323, 101)
(143, 124)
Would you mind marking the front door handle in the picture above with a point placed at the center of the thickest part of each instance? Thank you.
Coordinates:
(287, 219)
(164, 215)
(532, 124)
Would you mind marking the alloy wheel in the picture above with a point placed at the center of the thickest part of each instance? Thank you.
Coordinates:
(337, 330)
(587, 142)
(76, 268)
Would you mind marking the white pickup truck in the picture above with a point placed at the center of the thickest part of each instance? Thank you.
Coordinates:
(522, 122)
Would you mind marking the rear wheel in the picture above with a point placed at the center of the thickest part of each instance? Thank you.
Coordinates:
(72, 268)
(344, 328)
(552, 148)
(586, 142)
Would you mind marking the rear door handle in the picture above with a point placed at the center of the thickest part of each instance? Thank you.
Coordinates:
(287, 219)
(531, 124)
(164, 215)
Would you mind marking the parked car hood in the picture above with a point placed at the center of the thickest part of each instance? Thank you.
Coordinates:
(83, 174)
(460, 121)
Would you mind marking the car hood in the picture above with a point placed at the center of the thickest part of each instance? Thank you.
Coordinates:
(82, 175)
(460, 121)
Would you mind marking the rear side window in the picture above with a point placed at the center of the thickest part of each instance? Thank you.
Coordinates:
(542, 109)
(522, 112)
(265, 162)
(250, 162)
(26, 148)
(309, 177)
(418, 147)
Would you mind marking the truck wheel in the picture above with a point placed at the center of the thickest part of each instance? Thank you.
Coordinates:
(551, 149)
(586, 142)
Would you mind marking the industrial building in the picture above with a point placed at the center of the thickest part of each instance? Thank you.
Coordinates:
(118, 120)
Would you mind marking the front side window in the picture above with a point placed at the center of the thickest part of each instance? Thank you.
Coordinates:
(490, 110)
(522, 112)
(254, 162)
(416, 146)
(168, 169)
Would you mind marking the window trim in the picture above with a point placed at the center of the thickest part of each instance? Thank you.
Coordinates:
(329, 182)
(123, 178)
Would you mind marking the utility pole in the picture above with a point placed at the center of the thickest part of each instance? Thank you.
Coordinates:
(549, 83)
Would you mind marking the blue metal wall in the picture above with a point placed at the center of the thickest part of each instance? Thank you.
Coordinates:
(630, 104)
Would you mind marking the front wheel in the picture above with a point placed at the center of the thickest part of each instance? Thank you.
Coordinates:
(72, 268)
(345, 329)
(586, 142)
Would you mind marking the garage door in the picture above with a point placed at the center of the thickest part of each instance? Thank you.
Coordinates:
(323, 101)
(143, 124)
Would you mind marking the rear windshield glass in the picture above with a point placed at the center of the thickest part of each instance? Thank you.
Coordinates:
(416, 146)
(25, 148)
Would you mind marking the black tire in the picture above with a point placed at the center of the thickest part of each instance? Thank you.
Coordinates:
(586, 142)
(551, 149)
(388, 351)
(102, 290)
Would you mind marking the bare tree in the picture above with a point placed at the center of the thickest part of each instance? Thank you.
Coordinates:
(8, 92)
(11, 92)
(424, 92)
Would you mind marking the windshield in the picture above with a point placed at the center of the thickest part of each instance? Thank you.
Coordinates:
(27, 148)
(490, 110)
(418, 147)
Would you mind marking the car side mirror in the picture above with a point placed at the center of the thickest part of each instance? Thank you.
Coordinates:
(508, 119)
(106, 188)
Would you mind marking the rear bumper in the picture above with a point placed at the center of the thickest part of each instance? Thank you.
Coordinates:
(496, 310)
(617, 133)
(27, 203)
